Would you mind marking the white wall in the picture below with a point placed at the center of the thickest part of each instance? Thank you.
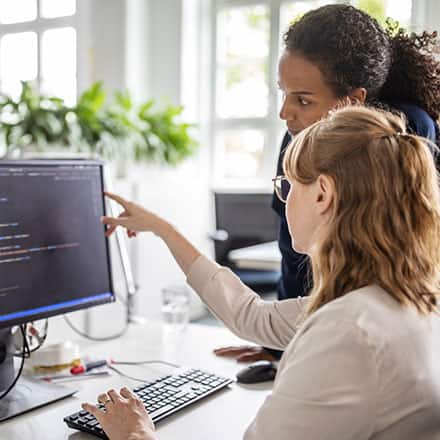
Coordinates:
(101, 43)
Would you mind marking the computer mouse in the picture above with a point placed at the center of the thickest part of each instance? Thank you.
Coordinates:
(260, 371)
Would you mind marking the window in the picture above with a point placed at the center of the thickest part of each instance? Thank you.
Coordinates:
(38, 40)
(399, 10)
(247, 43)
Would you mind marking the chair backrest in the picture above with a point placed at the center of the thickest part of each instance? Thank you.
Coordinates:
(247, 218)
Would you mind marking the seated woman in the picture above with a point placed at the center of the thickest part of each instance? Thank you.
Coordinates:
(364, 204)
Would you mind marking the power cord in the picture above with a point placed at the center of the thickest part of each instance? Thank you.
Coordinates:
(25, 352)
(96, 338)
(170, 364)
(34, 333)
(104, 338)
(125, 303)
(118, 371)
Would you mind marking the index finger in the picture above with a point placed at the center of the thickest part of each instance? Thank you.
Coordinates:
(233, 353)
(116, 198)
(233, 349)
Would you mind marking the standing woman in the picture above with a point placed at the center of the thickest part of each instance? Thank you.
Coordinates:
(333, 56)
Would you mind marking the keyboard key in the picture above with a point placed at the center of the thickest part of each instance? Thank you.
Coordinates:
(163, 410)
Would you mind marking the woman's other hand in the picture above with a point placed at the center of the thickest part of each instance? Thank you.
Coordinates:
(245, 353)
(124, 418)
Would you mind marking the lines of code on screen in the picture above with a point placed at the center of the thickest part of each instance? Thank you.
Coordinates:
(52, 243)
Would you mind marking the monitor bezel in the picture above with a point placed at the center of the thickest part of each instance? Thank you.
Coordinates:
(82, 306)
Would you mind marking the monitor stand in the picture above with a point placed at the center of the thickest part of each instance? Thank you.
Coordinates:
(28, 393)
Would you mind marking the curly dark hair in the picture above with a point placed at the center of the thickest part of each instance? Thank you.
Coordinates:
(352, 50)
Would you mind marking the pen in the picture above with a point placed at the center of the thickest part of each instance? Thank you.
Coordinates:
(88, 366)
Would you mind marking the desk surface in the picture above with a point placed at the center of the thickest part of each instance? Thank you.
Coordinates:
(222, 416)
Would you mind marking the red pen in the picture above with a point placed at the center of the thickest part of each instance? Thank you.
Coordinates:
(88, 366)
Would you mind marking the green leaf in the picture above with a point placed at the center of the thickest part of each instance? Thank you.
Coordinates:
(145, 108)
(93, 98)
(124, 100)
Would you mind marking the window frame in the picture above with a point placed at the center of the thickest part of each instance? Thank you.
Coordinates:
(42, 24)
(268, 124)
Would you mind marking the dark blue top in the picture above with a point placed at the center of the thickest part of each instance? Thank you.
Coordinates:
(295, 271)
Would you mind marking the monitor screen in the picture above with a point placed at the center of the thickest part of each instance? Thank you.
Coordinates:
(54, 256)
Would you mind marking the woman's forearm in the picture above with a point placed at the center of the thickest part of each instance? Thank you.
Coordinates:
(183, 251)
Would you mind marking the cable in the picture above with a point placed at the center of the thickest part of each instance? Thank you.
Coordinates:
(125, 375)
(116, 370)
(121, 299)
(41, 340)
(23, 356)
(146, 362)
(25, 342)
(125, 302)
(93, 338)
(105, 338)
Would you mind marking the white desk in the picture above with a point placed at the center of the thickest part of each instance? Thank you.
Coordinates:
(265, 256)
(222, 416)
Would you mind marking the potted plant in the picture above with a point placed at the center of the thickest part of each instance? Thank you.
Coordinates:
(111, 129)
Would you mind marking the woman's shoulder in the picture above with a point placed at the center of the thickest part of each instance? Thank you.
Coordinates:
(369, 310)
(419, 121)
(374, 313)
(359, 301)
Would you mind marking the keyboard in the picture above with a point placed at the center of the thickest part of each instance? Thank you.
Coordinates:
(161, 398)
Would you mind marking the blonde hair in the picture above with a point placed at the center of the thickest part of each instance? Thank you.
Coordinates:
(385, 221)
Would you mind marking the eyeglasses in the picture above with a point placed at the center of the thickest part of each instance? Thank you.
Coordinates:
(281, 187)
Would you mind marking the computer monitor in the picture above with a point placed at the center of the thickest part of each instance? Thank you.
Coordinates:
(54, 256)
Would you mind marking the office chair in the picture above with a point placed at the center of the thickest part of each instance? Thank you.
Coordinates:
(245, 219)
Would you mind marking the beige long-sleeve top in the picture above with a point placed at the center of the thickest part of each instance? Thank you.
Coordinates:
(361, 367)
